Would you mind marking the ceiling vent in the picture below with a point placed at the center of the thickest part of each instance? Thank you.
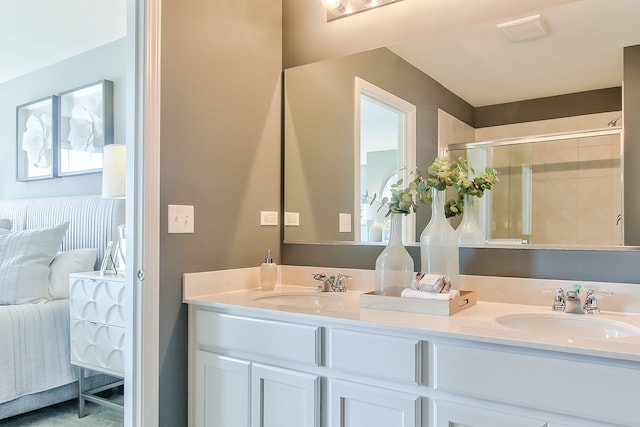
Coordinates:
(531, 27)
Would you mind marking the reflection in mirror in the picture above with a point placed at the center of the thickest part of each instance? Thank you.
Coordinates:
(554, 189)
(320, 130)
(490, 84)
(386, 125)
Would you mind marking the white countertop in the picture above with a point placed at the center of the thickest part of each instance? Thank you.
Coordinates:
(476, 323)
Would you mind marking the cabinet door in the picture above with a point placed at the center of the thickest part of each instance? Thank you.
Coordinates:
(222, 391)
(458, 415)
(284, 398)
(356, 405)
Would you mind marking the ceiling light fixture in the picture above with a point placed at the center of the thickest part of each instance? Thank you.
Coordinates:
(340, 8)
(331, 4)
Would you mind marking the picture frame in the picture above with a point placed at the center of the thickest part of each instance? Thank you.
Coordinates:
(85, 127)
(36, 139)
(108, 262)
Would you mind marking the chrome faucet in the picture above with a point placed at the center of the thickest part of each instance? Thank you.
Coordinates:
(331, 283)
(574, 305)
(569, 301)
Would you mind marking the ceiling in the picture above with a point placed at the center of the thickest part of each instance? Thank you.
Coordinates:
(37, 33)
(477, 62)
(582, 51)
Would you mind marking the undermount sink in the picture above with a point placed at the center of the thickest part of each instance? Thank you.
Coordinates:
(570, 326)
(309, 299)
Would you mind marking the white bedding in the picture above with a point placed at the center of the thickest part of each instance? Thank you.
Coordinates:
(34, 348)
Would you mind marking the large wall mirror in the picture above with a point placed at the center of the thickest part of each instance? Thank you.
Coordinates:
(539, 97)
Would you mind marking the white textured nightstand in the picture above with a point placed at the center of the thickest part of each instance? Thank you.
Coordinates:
(96, 305)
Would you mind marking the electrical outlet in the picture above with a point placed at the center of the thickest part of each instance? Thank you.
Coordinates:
(292, 219)
(180, 219)
(344, 220)
(268, 218)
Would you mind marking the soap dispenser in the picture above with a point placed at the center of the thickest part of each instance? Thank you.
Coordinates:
(268, 273)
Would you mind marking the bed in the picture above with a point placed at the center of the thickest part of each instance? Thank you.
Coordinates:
(34, 330)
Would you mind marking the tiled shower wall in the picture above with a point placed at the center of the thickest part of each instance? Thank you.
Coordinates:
(575, 184)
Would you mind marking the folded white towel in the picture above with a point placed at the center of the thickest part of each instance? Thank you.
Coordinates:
(439, 296)
(429, 282)
(447, 285)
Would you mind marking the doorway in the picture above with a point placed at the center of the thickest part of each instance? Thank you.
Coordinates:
(385, 147)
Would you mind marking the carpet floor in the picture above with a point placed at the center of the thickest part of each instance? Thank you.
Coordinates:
(66, 415)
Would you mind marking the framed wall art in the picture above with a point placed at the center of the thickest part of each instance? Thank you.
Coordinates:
(86, 126)
(36, 135)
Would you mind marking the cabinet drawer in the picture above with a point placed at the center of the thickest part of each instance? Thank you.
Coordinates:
(589, 390)
(380, 356)
(94, 345)
(286, 341)
(96, 300)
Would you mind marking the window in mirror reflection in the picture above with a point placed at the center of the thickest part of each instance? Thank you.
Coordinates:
(385, 152)
(563, 191)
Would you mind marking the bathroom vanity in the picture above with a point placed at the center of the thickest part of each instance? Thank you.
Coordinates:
(296, 357)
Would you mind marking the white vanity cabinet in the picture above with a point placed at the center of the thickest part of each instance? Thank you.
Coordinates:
(581, 391)
(270, 368)
(230, 385)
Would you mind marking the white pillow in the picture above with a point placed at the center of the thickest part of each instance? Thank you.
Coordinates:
(5, 224)
(24, 263)
(65, 263)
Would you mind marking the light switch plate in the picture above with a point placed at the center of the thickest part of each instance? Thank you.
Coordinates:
(181, 219)
(268, 218)
(292, 219)
(345, 223)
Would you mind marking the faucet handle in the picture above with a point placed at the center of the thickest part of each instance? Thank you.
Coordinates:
(559, 301)
(325, 282)
(339, 283)
(591, 303)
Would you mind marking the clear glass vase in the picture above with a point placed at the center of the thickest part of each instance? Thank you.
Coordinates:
(394, 266)
(469, 230)
(438, 242)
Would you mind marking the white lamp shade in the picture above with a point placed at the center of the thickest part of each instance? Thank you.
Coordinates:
(114, 166)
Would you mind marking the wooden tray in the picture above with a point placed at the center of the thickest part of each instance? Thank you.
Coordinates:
(415, 305)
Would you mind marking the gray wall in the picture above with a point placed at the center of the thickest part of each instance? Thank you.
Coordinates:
(319, 157)
(552, 107)
(220, 151)
(106, 62)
